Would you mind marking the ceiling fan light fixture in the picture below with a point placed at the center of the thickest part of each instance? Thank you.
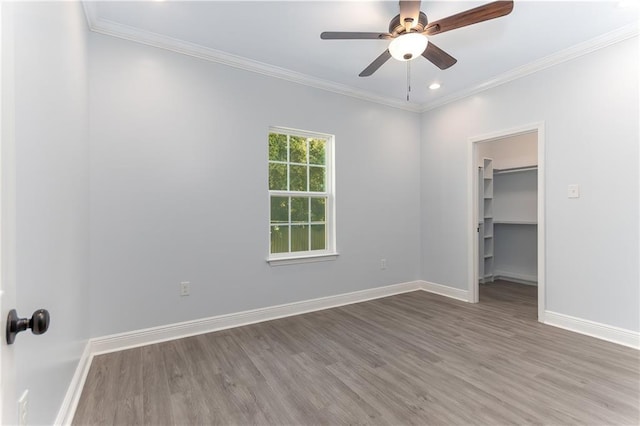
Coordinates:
(408, 46)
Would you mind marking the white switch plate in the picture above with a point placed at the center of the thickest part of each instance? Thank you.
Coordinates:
(185, 288)
(573, 191)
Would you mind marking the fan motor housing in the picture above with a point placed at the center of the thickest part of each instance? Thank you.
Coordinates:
(396, 27)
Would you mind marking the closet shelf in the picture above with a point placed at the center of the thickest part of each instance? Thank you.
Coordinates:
(514, 222)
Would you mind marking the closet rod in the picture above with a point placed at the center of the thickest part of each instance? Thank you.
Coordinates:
(515, 169)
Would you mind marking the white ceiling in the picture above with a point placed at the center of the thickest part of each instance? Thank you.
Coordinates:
(282, 38)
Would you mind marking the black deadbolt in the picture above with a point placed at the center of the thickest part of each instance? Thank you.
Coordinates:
(39, 323)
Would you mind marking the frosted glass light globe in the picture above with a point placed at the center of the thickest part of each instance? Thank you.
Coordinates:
(408, 46)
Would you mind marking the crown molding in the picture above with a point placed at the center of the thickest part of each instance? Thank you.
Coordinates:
(126, 32)
(565, 55)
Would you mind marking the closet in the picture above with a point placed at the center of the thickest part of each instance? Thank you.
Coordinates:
(507, 210)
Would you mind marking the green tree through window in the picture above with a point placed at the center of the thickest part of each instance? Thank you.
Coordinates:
(300, 193)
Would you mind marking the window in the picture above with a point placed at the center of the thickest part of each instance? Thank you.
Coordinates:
(301, 222)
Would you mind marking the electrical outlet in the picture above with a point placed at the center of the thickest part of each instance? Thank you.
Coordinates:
(23, 408)
(573, 191)
(185, 288)
(383, 263)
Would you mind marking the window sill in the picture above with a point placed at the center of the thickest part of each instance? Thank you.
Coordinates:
(294, 260)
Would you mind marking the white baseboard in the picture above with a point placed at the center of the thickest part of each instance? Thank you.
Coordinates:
(444, 290)
(516, 278)
(594, 329)
(136, 338)
(164, 333)
(74, 391)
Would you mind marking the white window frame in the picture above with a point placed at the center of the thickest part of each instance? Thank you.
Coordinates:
(330, 252)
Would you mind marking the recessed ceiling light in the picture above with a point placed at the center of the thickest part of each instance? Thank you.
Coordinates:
(434, 86)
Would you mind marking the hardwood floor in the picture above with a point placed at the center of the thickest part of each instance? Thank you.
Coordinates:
(415, 358)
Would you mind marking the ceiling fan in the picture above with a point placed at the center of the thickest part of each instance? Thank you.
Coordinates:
(408, 33)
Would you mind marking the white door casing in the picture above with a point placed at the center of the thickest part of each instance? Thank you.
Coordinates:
(8, 389)
(472, 209)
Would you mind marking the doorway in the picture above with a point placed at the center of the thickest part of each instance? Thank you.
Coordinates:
(513, 217)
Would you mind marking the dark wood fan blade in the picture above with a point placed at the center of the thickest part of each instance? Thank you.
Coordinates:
(377, 63)
(340, 35)
(409, 9)
(438, 57)
(470, 17)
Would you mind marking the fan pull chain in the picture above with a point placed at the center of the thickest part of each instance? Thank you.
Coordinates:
(408, 79)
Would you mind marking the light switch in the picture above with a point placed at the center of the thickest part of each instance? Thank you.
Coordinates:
(573, 191)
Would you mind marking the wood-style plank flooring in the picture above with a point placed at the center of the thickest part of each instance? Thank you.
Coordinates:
(411, 359)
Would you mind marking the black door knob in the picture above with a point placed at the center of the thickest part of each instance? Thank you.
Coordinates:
(39, 323)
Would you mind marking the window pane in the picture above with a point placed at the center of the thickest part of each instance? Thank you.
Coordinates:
(318, 206)
(298, 149)
(299, 209)
(278, 177)
(279, 239)
(298, 178)
(299, 237)
(277, 147)
(316, 179)
(279, 209)
(317, 151)
(318, 237)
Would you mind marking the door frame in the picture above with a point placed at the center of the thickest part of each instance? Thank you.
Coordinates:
(472, 208)
(8, 387)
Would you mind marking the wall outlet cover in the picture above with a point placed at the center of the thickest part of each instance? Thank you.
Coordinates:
(573, 191)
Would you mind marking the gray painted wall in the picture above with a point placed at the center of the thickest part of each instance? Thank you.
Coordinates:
(510, 152)
(515, 199)
(179, 188)
(515, 251)
(52, 197)
(515, 196)
(591, 139)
